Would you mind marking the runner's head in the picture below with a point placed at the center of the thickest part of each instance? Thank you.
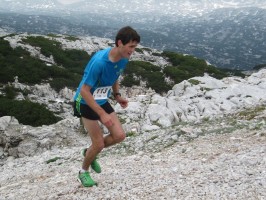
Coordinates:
(126, 35)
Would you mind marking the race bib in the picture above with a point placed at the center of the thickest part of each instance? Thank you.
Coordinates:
(102, 93)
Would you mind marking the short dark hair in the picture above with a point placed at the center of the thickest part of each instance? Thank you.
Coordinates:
(127, 34)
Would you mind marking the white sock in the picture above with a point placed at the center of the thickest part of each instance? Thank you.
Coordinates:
(82, 171)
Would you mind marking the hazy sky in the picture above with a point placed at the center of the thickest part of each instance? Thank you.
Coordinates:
(68, 1)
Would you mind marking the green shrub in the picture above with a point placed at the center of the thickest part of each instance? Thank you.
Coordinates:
(175, 58)
(146, 71)
(72, 38)
(192, 66)
(30, 70)
(129, 81)
(138, 50)
(72, 59)
(183, 68)
(18, 62)
(156, 81)
(27, 112)
(10, 92)
(59, 83)
(258, 67)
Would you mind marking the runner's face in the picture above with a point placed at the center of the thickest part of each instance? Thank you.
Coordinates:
(127, 49)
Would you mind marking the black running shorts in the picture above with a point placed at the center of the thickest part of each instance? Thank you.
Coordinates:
(87, 112)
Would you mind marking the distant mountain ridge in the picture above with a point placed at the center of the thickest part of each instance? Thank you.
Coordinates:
(169, 7)
(229, 34)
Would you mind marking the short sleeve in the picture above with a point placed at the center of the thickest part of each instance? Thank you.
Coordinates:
(93, 72)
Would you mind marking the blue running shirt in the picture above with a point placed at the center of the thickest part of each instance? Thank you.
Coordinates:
(100, 72)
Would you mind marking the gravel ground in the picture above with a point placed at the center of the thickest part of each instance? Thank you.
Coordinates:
(223, 166)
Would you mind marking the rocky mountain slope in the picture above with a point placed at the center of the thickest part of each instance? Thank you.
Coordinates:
(155, 117)
(204, 139)
(220, 157)
(225, 164)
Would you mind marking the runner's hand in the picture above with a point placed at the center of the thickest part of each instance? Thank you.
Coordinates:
(123, 102)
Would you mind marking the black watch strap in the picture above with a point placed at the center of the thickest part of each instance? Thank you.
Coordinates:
(116, 94)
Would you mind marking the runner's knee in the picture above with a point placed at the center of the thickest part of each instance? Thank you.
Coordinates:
(119, 137)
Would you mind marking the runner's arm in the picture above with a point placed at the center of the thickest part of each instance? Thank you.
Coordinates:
(115, 88)
(123, 102)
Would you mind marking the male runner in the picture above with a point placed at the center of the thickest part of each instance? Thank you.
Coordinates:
(91, 99)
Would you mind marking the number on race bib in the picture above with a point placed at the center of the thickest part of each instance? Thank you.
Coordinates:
(101, 93)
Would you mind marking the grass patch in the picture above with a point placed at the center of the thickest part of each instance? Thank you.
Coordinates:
(53, 160)
(131, 134)
(251, 113)
(194, 81)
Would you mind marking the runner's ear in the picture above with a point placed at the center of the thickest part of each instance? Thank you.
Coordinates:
(119, 42)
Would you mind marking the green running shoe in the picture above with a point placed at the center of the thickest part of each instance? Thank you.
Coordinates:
(94, 165)
(86, 179)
